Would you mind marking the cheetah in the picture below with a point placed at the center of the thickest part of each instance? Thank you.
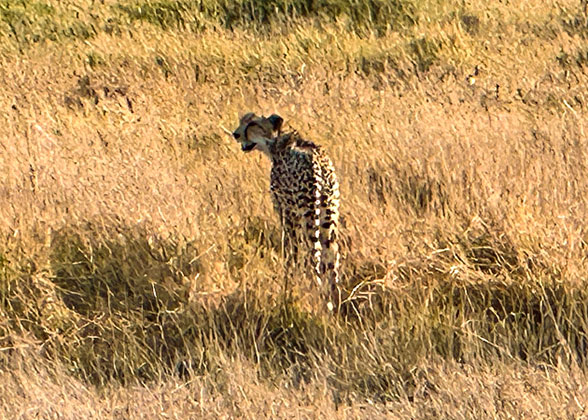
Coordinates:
(305, 194)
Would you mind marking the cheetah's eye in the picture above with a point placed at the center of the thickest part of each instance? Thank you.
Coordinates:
(236, 135)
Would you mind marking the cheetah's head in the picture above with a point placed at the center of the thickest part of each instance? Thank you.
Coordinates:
(258, 132)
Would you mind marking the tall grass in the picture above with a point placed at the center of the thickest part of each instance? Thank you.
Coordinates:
(140, 258)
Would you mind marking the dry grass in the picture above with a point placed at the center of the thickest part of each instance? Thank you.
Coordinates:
(135, 234)
(445, 389)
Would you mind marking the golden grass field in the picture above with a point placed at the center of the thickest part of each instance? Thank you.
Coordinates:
(135, 234)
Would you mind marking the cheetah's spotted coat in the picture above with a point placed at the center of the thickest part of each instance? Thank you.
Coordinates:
(305, 194)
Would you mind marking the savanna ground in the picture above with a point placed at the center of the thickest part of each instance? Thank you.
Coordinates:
(134, 234)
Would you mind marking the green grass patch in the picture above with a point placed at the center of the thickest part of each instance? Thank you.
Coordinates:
(372, 15)
(33, 22)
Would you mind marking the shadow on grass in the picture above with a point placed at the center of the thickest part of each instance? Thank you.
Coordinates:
(120, 310)
(135, 320)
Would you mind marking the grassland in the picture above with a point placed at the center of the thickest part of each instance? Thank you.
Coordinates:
(135, 235)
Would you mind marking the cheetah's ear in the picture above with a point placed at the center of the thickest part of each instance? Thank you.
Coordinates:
(276, 122)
